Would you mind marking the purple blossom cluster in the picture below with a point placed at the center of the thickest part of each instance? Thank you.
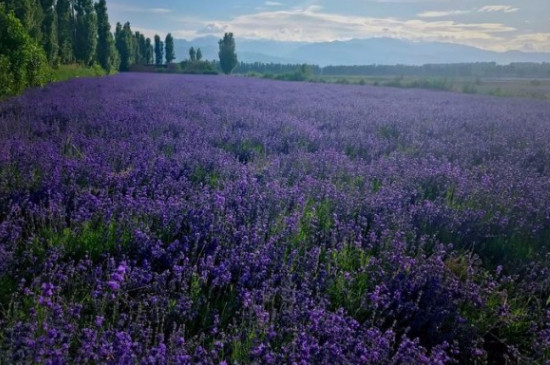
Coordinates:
(162, 219)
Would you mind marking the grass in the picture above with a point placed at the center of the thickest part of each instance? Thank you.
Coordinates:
(503, 87)
(71, 71)
(91, 239)
(351, 280)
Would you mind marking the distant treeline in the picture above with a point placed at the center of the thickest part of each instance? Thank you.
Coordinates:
(273, 68)
(478, 69)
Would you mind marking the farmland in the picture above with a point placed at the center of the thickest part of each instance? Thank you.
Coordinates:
(171, 219)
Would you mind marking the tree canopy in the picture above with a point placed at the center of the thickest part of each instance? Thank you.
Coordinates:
(23, 62)
(159, 50)
(86, 31)
(67, 32)
(228, 57)
(169, 46)
(107, 55)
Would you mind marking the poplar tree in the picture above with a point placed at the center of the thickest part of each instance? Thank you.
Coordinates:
(86, 31)
(65, 30)
(169, 44)
(159, 50)
(106, 50)
(140, 48)
(228, 57)
(49, 30)
(149, 52)
(125, 45)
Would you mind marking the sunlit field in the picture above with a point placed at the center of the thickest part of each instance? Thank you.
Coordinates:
(170, 219)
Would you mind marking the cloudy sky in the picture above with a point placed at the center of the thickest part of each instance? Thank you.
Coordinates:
(498, 25)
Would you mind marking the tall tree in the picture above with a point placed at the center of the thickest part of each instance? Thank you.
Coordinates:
(228, 57)
(169, 44)
(29, 12)
(106, 49)
(199, 54)
(125, 45)
(192, 54)
(49, 30)
(149, 52)
(159, 50)
(86, 31)
(65, 30)
(136, 50)
(141, 48)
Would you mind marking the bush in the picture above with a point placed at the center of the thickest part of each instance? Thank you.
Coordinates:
(23, 62)
(66, 72)
(197, 67)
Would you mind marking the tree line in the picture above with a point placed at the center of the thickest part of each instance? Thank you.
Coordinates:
(273, 68)
(36, 35)
(475, 69)
(79, 31)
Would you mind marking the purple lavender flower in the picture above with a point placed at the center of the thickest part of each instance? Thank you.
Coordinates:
(299, 223)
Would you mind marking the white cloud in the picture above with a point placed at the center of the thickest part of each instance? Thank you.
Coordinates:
(158, 10)
(533, 42)
(441, 14)
(313, 25)
(273, 3)
(213, 28)
(407, 1)
(138, 9)
(498, 8)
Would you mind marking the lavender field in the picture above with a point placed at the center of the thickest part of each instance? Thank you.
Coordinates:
(161, 219)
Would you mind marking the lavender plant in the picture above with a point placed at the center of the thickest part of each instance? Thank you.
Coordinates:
(160, 219)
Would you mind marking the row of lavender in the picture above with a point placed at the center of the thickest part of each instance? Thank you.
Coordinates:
(157, 219)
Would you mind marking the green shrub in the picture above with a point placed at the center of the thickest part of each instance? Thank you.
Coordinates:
(66, 72)
(197, 67)
(23, 62)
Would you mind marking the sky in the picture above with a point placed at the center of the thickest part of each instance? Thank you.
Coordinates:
(499, 25)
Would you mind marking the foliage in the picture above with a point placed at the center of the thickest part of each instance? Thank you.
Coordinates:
(159, 50)
(169, 46)
(49, 30)
(86, 31)
(65, 26)
(125, 44)
(273, 68)
(197, 67)
(140, 48)
(149, 52)
(29, 12)
(457, 70)
(107, 54)
(228, 57)
(22, 61)
(301, 73)
(71, 71)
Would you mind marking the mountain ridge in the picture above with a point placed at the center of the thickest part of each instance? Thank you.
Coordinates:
(381, 51)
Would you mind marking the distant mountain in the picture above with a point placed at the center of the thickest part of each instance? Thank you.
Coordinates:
(382, 51)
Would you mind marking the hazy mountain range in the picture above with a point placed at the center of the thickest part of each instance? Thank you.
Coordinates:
(382, 51)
